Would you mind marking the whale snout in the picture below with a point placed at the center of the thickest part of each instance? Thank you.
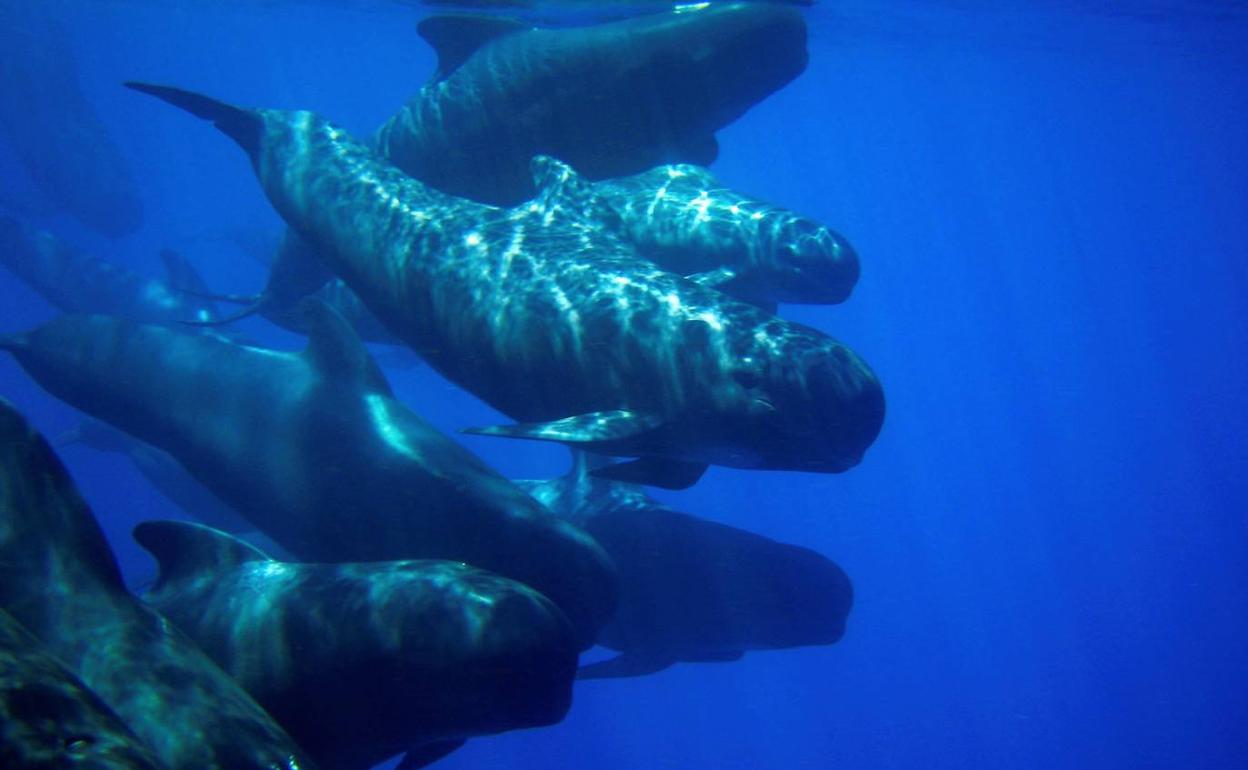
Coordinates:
(814, 265)
(840, 414)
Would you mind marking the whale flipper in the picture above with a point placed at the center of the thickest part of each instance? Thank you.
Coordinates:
(243, 126)
(619, 425)
(423, 756)
(455, 38)
(655, 471)
(624, 665)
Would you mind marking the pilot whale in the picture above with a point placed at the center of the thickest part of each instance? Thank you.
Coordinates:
(686, 221)
(58, 578)
(363, 661)
(694, 590)
(49, 719)
(610, 99)
(557, 324)
(78, 282)
(314, 451)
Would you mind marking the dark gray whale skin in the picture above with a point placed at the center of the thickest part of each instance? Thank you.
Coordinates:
(552, 321)
(608, 99)
(686, 221)
(694, 590)
(163, 472)
(59, 580)
(78, 282)
(363, 661)
(312, 449)
(50, 720)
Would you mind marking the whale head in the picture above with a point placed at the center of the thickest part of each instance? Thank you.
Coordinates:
(809, 262)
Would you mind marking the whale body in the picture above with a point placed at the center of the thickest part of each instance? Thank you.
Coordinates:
(49, 719)
(59, 579)
(363, 661)
(78, 282)
(609, 99)
(695, 590)
(556, 323)
(685, 220)
(313, 450)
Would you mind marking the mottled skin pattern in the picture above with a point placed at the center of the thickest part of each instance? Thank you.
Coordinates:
(311, 448)
(693, 589)
(58, 578)
(609, 99)
(686, 221)
(49, 720)
(77, 282)
(543, 315)
(362, 661)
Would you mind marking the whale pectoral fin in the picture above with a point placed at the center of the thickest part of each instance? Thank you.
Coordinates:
(624, 665)
(725, 279)
(423, 756)
(455, 38)
(592, 428)
(654, 471)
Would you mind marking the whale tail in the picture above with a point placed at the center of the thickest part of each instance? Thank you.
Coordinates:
(242, 125)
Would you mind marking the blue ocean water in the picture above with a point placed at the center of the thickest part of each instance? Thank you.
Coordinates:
(1049, 540)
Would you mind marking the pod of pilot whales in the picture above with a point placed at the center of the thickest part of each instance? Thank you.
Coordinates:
(579, 270)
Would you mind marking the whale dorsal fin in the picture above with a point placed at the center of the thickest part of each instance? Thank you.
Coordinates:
(184, 550)
(559, 186)
(181, 273)
(455, 38)
(336, 350)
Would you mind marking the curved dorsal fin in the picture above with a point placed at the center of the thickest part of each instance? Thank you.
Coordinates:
(455, 38)
(560, 186)
(185, 550)
(336, 350)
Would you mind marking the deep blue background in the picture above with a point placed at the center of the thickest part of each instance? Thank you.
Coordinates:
(1048, 541)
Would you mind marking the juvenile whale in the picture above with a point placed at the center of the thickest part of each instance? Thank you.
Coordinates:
(688, 222)
(363, 661)
(58, 578)
(693, 590)
(50, 720)
(313, 450)
(557, 324)
(78, 282)
(609, 99)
